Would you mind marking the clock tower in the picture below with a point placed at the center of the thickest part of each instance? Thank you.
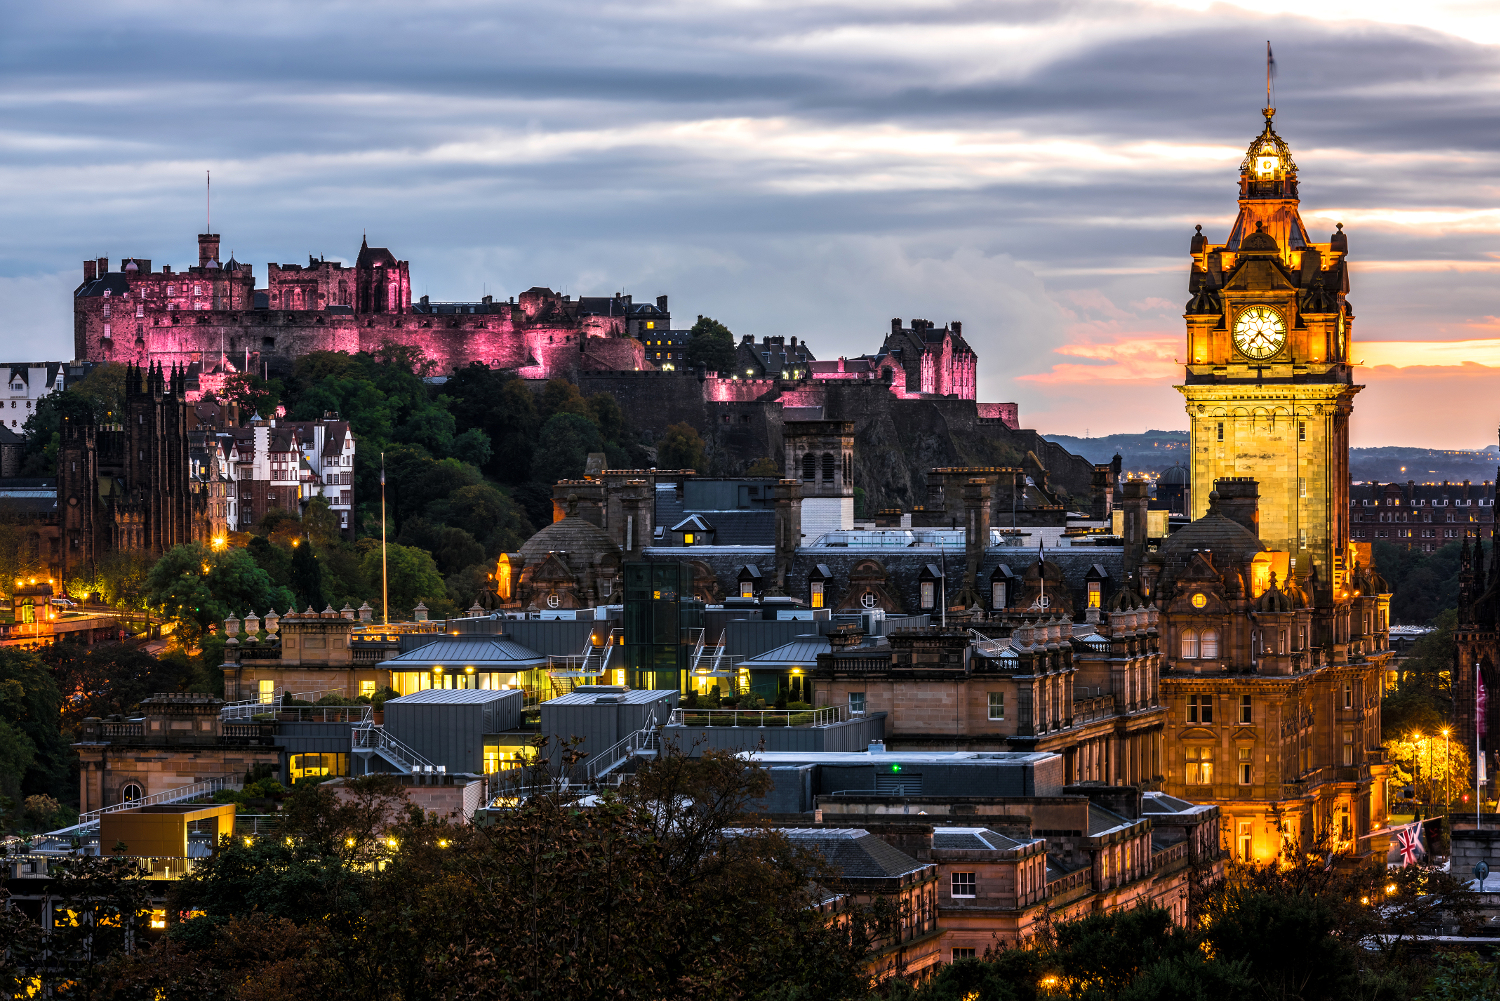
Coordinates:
(1268, 381)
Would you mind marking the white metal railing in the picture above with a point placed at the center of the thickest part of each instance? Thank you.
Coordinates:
(645, 739)
(246, 708)
(205, 788)
(370, 738)
(827, 716)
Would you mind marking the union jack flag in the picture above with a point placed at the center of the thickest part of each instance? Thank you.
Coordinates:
(1409, 843)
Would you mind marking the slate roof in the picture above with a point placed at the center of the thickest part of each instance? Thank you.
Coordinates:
(590, 694)
(452, 696)
(854, 853)
(491, 652)
(1102, 821)
(972, 839)
(114, 281)
(1160, 803)
(800, 652)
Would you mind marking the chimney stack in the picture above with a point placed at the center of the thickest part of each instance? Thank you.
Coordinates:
(976, 533)
(1239, 501)
(1134, 518)
(788, 528)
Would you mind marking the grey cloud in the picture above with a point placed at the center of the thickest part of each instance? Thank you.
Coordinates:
(320, 121)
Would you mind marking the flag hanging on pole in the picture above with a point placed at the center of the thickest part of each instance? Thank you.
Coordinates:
(1270, 71)
(1481, 697)
(1409, 842)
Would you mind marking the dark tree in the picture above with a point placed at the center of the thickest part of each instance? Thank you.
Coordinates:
(712, 346)
(307, 576)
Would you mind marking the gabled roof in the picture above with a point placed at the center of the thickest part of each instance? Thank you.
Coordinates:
(856, 854)
(800, 652)
(484, 653)
(973, 839)
(693, 523)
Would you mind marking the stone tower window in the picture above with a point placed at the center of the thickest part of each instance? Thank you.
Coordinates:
(827, 467)
(809, 467)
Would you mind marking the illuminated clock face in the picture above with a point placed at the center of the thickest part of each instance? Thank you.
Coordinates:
(1259, 332)
(1265, 166)
(1199, 600)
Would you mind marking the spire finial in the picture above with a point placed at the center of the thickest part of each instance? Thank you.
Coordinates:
(1270, 108)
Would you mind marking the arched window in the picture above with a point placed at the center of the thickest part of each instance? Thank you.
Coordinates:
(130, 793)
(827, 467)
(1209, 644)
(1189, 645)
(809, 467)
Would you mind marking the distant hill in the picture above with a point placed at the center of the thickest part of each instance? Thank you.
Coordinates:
(1139, 453)
(1397, 465)
(1156, 450)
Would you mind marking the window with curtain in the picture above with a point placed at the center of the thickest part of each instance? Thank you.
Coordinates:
(1189, 645)
(1200, 766)
(1208, 646)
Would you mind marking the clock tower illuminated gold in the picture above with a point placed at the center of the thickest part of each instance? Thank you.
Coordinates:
(1268, 380)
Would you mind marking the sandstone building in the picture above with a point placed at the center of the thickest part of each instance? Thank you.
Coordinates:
(1275, 637)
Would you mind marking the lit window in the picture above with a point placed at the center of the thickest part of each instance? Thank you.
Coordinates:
(1301, 486)
(1246, 842)
(1200, 766)
(1247, 766)
(1348, 747)
(267, 691)
(687, 538)
(1096, 593)
(651, 325)
(964, 884)
(997, 705)
(747, 590)
(817, 593)
(367, 688)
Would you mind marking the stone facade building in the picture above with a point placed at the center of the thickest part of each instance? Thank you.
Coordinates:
(1275, 637)
(1422, 517)
(126, 487)
(178, 740)
(212, 311)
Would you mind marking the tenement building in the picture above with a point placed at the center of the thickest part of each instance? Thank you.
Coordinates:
(1275, 639)
(1422, 517)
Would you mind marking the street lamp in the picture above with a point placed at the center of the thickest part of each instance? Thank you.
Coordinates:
(1447, 770)
(1416, 764)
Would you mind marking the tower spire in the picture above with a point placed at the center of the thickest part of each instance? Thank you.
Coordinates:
(1270, 73)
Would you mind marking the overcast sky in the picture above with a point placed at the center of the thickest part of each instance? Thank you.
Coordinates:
(810, 169)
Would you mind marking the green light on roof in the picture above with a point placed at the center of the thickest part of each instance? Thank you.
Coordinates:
(895, 767)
